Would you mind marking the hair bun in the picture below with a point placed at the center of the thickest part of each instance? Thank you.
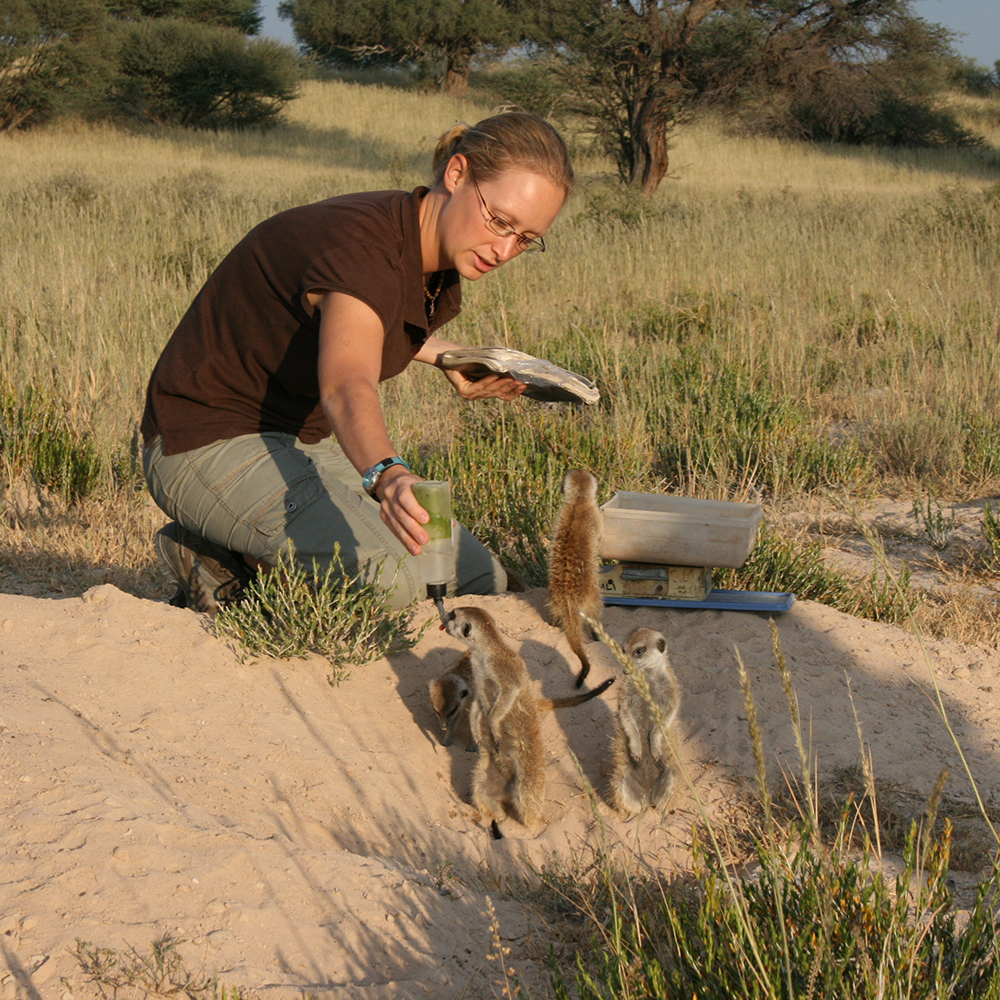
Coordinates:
(448, 143)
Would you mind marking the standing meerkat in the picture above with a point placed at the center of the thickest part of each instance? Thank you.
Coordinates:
(642, 772)
(503, 717)
(451, 691)
(573, 581)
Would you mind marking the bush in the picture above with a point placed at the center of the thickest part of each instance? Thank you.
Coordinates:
(36, 440)
(53, 59)
(892, 119)
(181, 73)
(293, 612)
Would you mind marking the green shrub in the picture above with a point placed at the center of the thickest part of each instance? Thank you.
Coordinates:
(292, 612)
(889, 119)
(54, 58)
(172, 71)
(719, 422)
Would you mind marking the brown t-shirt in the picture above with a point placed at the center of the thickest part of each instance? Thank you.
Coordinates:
(243, 359)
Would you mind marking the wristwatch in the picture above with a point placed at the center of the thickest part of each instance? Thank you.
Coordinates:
(370, 479)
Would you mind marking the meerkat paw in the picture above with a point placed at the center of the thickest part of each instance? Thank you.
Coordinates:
(662, 790)
(627, 800)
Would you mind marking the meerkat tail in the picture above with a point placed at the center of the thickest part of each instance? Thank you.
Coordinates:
(584, 662)
(548, 704)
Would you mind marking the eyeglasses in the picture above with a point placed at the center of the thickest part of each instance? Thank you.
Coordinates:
(525, 244)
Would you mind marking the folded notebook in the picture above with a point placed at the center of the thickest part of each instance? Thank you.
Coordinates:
(546, 382)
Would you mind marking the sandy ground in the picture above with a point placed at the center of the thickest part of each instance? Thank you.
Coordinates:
(301, 838)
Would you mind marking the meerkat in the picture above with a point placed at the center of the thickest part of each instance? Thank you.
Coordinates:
(573, 582)
(450, 694)
(503, 717)
(642, 772)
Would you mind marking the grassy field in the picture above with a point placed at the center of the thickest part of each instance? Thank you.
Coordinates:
(778, 320)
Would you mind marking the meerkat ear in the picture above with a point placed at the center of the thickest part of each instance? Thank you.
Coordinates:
(661, 644)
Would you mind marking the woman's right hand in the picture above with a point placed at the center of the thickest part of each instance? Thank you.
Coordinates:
(400, 511)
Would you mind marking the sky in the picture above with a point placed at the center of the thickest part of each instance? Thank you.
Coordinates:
(274, 27)
(979, 19)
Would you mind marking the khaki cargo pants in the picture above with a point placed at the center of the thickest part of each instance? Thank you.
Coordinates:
(260, 494)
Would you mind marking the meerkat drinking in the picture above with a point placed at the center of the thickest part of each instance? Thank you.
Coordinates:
(451, 691)
(503, 717)
(573, 582)
(642, 772)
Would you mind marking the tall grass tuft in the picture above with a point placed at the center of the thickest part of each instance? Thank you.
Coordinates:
(36, 441)
(785, 565)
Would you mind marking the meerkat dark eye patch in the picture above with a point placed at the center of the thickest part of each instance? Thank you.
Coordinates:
(640, 651)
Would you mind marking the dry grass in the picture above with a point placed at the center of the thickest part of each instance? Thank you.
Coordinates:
(49, 548)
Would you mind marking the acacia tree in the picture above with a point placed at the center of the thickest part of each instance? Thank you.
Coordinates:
(835, 69)
(449, 33)
(629, 69)
(638, 66)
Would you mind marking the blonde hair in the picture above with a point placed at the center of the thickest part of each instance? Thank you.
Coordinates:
(511, 139)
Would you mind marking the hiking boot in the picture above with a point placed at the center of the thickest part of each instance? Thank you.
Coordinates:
(209, 575)
(516, 584)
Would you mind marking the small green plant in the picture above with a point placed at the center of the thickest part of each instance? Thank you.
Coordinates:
(934, 525)
(36, 440)
(293, 611)
(159, 973)
(991, 535)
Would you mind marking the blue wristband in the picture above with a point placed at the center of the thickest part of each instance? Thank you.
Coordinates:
(369, 481)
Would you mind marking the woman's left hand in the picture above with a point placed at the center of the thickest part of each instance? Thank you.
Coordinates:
(488, 387)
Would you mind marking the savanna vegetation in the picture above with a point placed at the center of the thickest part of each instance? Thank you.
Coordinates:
(779, 321)
(858, 72)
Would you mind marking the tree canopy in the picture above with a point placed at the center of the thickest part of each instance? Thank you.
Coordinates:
(449, 33)
(244, 15)
(848, 70)
(184, 61)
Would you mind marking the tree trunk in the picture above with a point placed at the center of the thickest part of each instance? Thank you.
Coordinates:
(649, 128)
(456, 73)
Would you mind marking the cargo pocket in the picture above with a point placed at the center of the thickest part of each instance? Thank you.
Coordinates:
(277, 512)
